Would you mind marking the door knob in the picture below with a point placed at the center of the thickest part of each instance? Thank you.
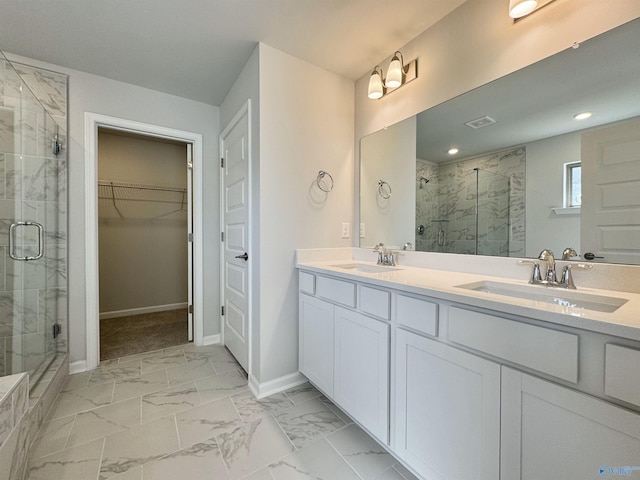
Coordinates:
(244, 256)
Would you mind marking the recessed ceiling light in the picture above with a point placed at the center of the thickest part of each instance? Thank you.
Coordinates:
(582, 116)
(453, 151)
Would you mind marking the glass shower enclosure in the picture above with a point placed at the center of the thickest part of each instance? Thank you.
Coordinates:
(33, 232)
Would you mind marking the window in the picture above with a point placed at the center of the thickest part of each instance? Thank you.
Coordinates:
(572, 184)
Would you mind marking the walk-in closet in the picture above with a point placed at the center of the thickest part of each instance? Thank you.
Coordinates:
(143, 218)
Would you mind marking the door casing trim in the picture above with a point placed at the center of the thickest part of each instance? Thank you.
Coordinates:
(92, 122)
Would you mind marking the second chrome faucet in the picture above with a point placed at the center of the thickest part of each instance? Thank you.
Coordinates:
(550, 277)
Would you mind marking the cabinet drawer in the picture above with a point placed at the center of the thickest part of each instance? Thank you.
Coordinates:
(542, 349)
(338, 291)
(375, 302)
(621, 375)
(307, 283)
(417, 314)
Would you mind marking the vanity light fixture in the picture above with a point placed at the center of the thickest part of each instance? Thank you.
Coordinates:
(398, 74)
(453, 150)
(582, 116)
(521, 8)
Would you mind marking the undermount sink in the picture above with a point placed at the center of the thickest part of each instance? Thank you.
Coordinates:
(366, 268)
(537, 293)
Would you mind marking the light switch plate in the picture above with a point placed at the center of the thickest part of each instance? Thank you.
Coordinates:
(362, 230)
(345, 230)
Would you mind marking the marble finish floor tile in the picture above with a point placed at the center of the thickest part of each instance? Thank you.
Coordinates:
(133, 474)
(72, 464)
(262, 474)
(192, 370)
(163, 360)
(222, 385)
(315, 462)
(165, 402)
(364, 455)
(207, 421)
(309, 421)
(390, 474)
(250, 408)
(104, 421)
(302, 393)
(201, 461)
(117, 371)
(82, 399)
(134, 387)
(253, 446)
(138, 446)
(77, 380)
(406, 474)
(52, 437)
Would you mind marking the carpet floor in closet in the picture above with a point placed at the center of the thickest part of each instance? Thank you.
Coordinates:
(146, 332)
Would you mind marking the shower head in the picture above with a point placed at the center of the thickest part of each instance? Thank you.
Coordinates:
(425, 180)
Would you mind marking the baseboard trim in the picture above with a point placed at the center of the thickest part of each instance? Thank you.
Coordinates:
(212, 339)
(141, 310)
(277, 385)
(77, 367)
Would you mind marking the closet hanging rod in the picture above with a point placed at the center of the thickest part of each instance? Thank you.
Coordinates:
(104, 183)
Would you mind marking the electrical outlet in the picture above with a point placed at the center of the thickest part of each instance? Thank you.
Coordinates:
(362, 230)
(345, 230)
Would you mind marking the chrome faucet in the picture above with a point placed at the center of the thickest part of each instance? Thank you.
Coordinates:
(385, 256)
(550, 279)
(550, 275)
(568, 253)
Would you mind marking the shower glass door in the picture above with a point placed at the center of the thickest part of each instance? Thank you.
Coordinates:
(32, 235)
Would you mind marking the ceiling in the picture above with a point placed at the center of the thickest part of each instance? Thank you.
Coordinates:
(197, 48)
(539, 101)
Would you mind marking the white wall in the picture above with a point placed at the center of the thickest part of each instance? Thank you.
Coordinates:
(306, 125)
(142, 234)
(545, 229)
(478, 43)
(91, 93)
(390, 156)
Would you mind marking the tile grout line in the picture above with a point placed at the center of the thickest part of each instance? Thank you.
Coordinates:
(104, 444)
(342, 457)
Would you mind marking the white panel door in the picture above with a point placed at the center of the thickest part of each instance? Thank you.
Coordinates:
(190, 237)
(549, 431)
(447, 410)
(610, 214)
(236, 260)
(316, 332)
(361, 383)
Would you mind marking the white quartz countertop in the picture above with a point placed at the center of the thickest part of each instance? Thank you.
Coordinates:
(444, 285)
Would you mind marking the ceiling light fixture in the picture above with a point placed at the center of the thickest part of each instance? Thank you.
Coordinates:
(582, 116)
(453, 150)
(521, 8)
(398, 74)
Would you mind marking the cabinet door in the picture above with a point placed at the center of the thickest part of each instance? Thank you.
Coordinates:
(447, 410)
(549, 431)
(316, 336)
(362, 370)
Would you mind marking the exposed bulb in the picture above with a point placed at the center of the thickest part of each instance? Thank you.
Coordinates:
(521, 8)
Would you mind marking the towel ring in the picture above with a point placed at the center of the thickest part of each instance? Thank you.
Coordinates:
(320, 182)
(384, 189)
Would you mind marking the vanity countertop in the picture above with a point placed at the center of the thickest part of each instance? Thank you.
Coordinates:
(445, 285)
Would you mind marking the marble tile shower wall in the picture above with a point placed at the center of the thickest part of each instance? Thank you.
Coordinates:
(33, 295)
(446, 206)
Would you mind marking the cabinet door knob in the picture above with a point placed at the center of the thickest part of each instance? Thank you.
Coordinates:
(590, 256)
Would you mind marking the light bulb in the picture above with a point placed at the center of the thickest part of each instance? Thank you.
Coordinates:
(520, 8)
(375, 84)
(394, 73)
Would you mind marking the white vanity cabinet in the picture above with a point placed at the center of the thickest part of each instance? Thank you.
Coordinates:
(316, 339)
(361, 382)
(447, 410)
(345, 351)
(549, 431)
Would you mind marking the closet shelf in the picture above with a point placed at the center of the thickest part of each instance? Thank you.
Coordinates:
(104, 183)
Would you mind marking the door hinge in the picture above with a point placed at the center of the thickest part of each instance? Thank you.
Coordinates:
(222, 309)
(190, 237)
(190, 308)
(222, 236)
(189, 166)
(221, 162)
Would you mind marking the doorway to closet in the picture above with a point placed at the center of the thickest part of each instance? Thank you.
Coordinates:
(144, 227)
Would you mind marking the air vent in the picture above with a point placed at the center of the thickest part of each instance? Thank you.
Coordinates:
(480, 122)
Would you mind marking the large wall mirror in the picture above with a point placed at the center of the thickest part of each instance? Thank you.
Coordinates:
(527, 175)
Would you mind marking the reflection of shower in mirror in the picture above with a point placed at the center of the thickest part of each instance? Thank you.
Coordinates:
(425, 180)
